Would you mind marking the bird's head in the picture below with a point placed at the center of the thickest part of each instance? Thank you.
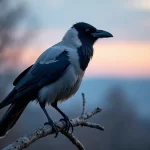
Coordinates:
(83, 33)
(82, 36)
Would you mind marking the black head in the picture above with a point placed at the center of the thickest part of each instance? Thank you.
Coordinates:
(88, 33)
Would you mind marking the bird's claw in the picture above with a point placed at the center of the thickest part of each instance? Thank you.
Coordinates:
(54, 126)
(68, 124)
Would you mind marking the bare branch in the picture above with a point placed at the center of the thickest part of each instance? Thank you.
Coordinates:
(74, 140)
(28, 139)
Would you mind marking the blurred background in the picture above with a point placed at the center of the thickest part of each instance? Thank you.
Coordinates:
(117, 79)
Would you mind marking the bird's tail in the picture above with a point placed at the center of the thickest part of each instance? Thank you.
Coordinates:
(10, 117)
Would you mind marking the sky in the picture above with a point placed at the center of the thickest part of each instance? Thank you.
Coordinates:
(125, 55)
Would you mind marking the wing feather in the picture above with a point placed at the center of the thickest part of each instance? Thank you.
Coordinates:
(29, 82)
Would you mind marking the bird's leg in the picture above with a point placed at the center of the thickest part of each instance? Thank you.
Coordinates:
(66, 119)
(50, 121)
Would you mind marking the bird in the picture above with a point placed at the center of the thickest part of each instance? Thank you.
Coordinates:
(55, 76)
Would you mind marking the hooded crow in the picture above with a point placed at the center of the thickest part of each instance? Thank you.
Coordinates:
(54, 77)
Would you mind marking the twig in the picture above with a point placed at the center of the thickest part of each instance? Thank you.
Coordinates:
(84, 102)
(92, 125)
(74, 140)
(25, 141)
(89, 115)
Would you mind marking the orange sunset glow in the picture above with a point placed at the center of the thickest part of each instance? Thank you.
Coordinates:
(111, 58)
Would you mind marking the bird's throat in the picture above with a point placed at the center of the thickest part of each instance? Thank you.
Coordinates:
(85, 53)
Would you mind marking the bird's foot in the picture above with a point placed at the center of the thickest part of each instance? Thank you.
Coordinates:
(54, 126)
(68, 124)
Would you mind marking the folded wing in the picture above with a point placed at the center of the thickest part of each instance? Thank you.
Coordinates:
(28, 83)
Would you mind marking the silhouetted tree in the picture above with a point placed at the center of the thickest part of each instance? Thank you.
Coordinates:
(10, 18)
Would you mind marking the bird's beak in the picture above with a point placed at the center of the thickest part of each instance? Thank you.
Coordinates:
(101, 34)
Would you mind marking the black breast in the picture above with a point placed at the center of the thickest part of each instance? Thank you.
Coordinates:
(85, 53)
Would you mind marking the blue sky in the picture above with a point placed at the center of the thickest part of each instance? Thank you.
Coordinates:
(128, 19)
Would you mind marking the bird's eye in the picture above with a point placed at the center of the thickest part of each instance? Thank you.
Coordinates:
(87, 30)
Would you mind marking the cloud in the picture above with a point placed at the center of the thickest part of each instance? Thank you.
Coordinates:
(139, 4)
(118, 16)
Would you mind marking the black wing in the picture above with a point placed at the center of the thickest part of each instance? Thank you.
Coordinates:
(21, 75)
(42, 74)
(34, 78)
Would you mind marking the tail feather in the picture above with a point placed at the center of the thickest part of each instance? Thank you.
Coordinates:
(10, 117)
(9, 99)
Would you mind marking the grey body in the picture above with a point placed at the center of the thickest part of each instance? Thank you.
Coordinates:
(62, 89)
(68, 84)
